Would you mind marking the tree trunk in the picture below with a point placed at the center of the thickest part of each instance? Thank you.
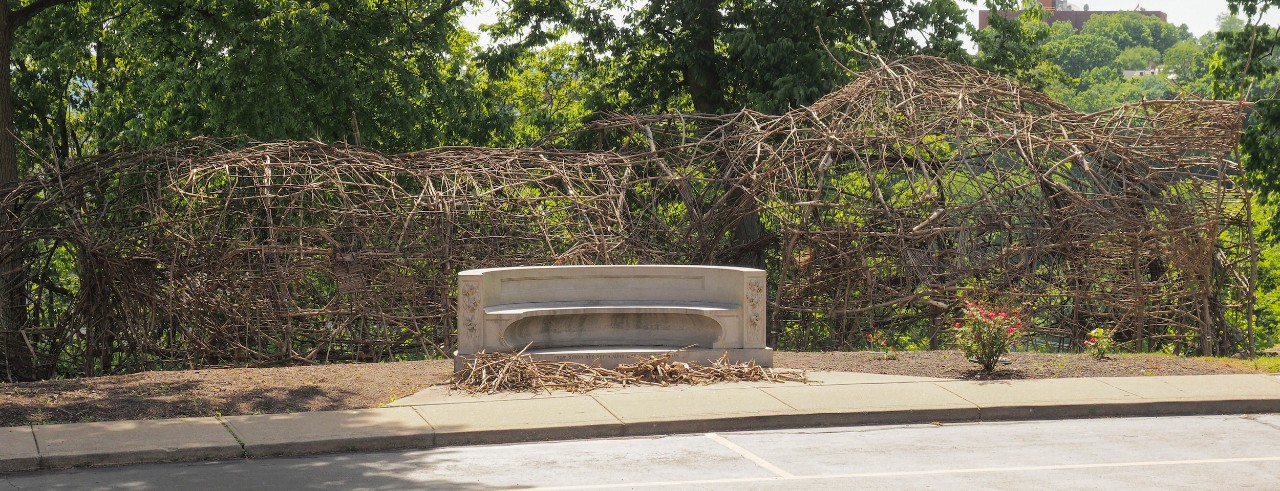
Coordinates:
(17, 361)
(702, 67)
(17, 358)
(703, 81)
(8, 150)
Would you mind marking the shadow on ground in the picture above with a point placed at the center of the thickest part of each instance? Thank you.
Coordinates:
(164, 400)
(233, 391)
(428, 469)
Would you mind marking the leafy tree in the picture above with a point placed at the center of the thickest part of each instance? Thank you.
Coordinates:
(1100, 76)
(1137, 58)
(1097, 96)
(14, 15)
(716, 56)
(1187, 60)
(1013, 46)
(548, 93)
(1077, 54)
(1060, 30)
(1153, 87)
(1134, 29)
(1267, 305)
(387, 74)
(96, 75)
(1244, 65)
(1229, 22)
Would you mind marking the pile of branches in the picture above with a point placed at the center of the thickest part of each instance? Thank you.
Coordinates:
(878, 210)
(490, 373)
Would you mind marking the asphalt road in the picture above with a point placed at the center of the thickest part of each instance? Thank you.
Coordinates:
(1200, 452)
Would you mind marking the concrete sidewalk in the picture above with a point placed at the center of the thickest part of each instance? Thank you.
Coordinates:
(435, 417)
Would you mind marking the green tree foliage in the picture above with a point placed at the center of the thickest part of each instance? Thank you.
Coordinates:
(1106, 89)
(1267, 305)
(1134, 29)
(1187, 60)
(14, 18)
(1245, 68)
(1077, 54)
(91, 76)
(715, 56)
(1102, 75)
(1013, 46)
(548, 92)
(1137, 58)
(99, 75)
(1228, 23)
(1060, 30)
(1084, 69)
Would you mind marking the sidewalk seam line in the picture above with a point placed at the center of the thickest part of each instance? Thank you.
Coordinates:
(244, 451)
(423, 417)
(1104, 382)
(784, 403)
(39, 453)
(610, 411)
(952, 392)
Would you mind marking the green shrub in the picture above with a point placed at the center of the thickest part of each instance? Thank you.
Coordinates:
(1099, 343)
(986, 334)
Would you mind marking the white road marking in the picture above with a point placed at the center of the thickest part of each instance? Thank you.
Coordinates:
(750, 456)
(980, 470)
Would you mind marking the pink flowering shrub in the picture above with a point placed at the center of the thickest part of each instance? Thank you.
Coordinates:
(985, 334)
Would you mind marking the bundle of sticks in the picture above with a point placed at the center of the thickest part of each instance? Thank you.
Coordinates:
(490, 373)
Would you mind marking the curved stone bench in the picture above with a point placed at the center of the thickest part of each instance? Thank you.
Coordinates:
(606, 315)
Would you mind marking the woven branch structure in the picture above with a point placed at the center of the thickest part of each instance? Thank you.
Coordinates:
(880, 209)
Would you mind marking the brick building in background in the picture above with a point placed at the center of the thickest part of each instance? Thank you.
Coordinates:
(1062, 10)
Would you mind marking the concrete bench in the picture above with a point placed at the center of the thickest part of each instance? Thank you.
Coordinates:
(606, 315)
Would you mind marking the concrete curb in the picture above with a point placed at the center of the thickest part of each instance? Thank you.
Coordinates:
(1141, 409)
(128, 442)
(330, 431)
(444, 420)
(808, 420)
(18, 451)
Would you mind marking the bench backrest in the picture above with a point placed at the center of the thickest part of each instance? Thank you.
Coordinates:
(647, 283)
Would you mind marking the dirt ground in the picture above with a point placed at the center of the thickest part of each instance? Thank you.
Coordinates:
(233, 391)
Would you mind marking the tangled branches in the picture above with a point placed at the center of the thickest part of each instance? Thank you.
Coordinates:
(490, 373)
(876, 209)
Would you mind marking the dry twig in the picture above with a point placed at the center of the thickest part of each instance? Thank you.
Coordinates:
(517, 372)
